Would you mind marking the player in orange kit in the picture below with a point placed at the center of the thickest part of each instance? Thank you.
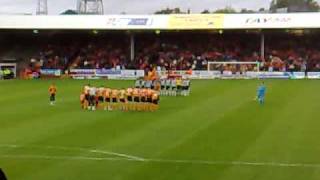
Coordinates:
(155, 101)
(52, 92)
(107, 98)
(114, 99)
(129, 94)
(122, 99)
(83, 102)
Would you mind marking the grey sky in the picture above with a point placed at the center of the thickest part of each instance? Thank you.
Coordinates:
(132, 6)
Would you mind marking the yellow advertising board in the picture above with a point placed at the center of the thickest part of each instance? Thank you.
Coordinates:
(196, 21)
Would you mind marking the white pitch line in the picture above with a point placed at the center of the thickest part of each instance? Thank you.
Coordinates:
(239, 163)
(47, 157)
(193, 162)
(118, 154)
(126, 157)
(96, 151)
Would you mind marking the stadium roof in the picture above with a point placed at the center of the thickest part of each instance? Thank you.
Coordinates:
(164, 22)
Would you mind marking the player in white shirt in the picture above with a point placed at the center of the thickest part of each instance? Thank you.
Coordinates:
(148, 84)
(142, 83)
(163, 86)
(168, 87)
(186, 87)
(173, 87)
(92, 98)
(137, 83)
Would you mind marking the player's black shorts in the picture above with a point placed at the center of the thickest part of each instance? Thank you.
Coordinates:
(114, 100)
(100, 99)
(52, 97)
(136, 99)
(155, 101)
(92, 100)
(167, 87)
(179, 87)
(130, 98)
(143, 99)
(149, 100)
(122, 100)
(162, 87)
(107, 99)
(87, 97)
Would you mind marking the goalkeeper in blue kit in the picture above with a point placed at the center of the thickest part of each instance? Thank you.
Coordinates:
(261, 92)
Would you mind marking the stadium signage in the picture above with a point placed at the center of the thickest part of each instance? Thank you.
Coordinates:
(107, 72)
(274, 75)
(313, 75)
(273, 21)
(83, 71)
(140, 22)
(205, 74)
(252, 74)
(139, 73)
(132, 73)
(196, 21)
(297, 75)
(268, 75)
(163, 22)
(124, 22)
(50, 72)
(265, 20)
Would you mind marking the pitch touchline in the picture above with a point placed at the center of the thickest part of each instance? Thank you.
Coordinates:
(126, 157)
(237, 163)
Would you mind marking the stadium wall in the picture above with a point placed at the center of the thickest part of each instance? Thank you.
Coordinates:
(163, 22)
(135, 74)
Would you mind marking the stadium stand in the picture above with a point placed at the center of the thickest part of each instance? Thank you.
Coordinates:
(173, 51)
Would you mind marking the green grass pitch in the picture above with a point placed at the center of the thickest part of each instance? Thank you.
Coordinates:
(217, 133)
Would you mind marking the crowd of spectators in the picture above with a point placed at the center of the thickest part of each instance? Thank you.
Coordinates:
(181, 51)
(82, 52)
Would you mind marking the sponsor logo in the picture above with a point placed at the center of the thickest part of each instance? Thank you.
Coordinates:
(138, 21)
(128, 73)
(268, 75)
(268, 20)
(190, 21)
(129, 22)
(297, 75)
(51, 72)
(108, 72)
(313, 75)
(83, 71)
